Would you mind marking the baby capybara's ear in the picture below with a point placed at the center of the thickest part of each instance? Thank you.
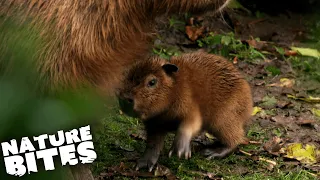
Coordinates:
(170, 68)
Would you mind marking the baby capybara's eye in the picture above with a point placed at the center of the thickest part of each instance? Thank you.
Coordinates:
(152, 83)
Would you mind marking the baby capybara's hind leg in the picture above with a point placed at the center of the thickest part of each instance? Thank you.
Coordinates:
(217, 150)
(228, 141)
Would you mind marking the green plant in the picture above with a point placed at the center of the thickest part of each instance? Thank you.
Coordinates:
(228, 46)
(166, 53)
(176, 23)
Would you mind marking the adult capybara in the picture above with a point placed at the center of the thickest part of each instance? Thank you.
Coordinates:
(193, 92)
(89, 43)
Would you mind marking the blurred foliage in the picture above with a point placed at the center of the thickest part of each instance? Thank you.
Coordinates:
(229, 46)
(166, 52)
(24, 111)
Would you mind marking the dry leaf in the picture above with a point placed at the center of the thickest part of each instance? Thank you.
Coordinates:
(284, 82)
(193, 32)
(306, 122)
(283, 104)
(235, 60)
(256, 44)
(290, 53)
(274, 146)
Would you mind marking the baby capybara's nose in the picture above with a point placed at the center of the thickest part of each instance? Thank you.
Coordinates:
(130, 100)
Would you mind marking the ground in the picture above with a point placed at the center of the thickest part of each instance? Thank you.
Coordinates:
(284, 138)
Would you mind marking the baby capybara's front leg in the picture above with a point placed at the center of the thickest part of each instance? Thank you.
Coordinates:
(187, 129)
(181, 145)
(155, 141)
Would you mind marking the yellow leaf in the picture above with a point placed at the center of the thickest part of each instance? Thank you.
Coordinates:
(209, 136)
(307, 52)
(314, 99)
(316, 112)
(256, 110)
(307, 155)
(284, 82)
(308, 99)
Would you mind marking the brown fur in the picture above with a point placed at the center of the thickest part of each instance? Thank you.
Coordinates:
(206, 93)
(91, 42)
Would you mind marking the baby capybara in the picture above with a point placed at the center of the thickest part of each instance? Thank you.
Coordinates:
(191, 93)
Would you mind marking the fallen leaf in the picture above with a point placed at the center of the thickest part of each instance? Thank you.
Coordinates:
(307, 99)
(235, 60)
(270, 167)
(274, 146)
(161, 171)
(307, 52)
(259, 82)
(255, 142)
(279, 119)
(284, 82)
(195, 20)
(306, 155)
(256, 110)
(191, 21)
(193, 32)
(283, 104)
(140, 135)
(306, 122)
(290, 53)
(258, 158)
(316, 112)
(209, 136)
(256, 44)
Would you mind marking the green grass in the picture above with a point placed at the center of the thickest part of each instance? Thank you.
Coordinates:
(114, 143)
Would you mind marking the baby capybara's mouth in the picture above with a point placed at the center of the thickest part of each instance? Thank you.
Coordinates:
(127, 108)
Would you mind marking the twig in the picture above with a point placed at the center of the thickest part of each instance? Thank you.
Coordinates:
(256, 21)
(312, 174)
(259, 158)
(255, 142)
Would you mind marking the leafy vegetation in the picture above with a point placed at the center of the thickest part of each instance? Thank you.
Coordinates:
(228, 46)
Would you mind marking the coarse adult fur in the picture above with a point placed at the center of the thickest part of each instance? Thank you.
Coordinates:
(192, 93)
(89, 43)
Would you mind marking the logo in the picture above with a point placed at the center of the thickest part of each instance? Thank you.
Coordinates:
(72, 147)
